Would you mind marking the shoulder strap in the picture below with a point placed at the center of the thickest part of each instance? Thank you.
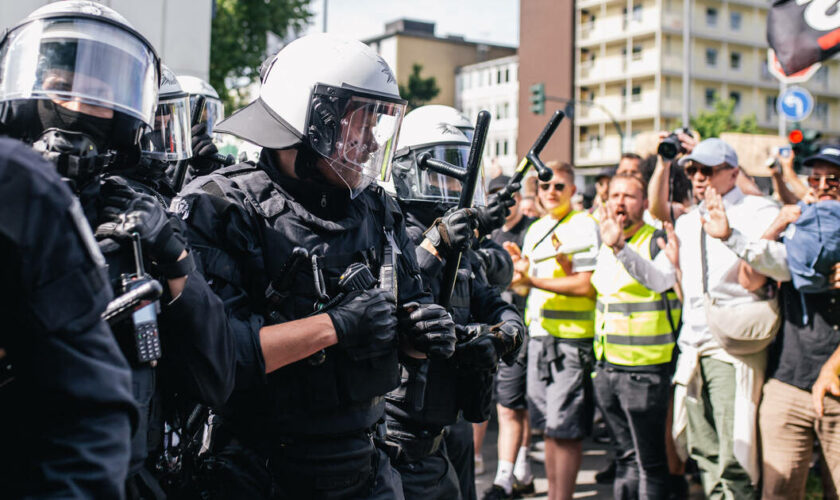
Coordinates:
(705, 269)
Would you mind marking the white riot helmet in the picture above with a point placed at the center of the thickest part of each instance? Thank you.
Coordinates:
(78, 52)
(205, 105)
(448, 114)
(424, 132)
(169, 139)
(332, 96)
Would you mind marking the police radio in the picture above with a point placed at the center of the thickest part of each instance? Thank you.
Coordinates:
(144, 318)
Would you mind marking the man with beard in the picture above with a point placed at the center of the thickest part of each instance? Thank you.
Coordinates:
(635, 322)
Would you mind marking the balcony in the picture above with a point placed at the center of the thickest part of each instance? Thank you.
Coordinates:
(598, 152)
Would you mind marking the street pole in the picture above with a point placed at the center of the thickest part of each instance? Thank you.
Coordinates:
(325, 16)
(686, 77)
(782, 123)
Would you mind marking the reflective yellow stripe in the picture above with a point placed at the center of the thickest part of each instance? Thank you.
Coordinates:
(633, 307)
(574, 315)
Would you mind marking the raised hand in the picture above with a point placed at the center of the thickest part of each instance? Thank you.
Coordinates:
(672, 247)
(716, 224)
(612, 228)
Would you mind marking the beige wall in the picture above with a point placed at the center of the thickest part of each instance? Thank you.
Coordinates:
(440, 59)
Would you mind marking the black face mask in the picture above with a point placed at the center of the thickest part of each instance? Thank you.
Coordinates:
(53, 116)
(425, 211)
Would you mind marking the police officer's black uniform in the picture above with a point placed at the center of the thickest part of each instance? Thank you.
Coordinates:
(65, 424)
(313, 422)
(415, 435)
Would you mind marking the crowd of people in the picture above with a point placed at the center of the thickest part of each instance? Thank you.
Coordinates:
(337, 319)
(702, 313)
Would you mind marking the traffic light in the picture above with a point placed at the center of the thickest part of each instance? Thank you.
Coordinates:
(804, 144)
(538, 98)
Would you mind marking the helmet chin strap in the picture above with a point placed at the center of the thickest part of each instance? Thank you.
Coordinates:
(74, 154)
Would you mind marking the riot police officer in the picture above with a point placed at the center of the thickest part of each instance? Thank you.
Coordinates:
(64, 386)
(206, 110)
(464, 382)
(294, 244)
(81, 85)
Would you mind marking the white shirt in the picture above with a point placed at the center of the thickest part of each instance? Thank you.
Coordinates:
(657, 275)
(751, 216)
(577, 230)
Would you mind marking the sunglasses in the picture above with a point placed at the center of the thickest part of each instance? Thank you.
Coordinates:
(559, 186)
(703, 169)
(831, 181)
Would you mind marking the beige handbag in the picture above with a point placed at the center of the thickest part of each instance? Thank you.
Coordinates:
(740, 329)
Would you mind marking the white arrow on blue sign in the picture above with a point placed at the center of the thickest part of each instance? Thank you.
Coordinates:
(795, 104)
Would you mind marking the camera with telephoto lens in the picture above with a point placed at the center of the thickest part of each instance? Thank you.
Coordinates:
(670, 146)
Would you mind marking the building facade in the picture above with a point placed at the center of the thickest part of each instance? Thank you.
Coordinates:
(406, 42)
(178, 29)
(493, 85)
(629, 60)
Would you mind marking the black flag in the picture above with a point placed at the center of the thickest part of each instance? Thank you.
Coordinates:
(803, 32)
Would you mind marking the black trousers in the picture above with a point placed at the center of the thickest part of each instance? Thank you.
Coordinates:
(459, 449)
(634, 405)
(430, 478)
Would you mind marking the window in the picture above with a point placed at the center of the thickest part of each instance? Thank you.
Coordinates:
(736, 97)
(711, 94)
(711, 57)
(507, 75)
(735, 21)
(505, 147)
(711, 16)
(637, 12)
(765, 71)
(498, 147)
(636, 93)
(769, 108)
(499, 77)
(637, 52)
(667, 87)
(735, 60)
(821, 76)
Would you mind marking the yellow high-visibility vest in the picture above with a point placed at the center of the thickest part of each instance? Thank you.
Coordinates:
(632, 325)
(563, 316)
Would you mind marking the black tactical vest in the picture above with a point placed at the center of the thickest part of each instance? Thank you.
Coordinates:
(333, 394)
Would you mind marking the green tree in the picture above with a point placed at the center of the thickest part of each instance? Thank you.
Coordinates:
(418, 90)
(722, 119)
(238, 41)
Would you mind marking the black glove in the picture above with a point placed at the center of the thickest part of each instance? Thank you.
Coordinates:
(478, 350)
(452, 232)
(508, 341)
(204, 152)
(366, 323)
(493, 215)
(429, 328)
(130, 212)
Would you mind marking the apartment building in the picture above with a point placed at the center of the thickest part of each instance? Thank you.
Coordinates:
(492, 85)
(629, 60)
(406, 42)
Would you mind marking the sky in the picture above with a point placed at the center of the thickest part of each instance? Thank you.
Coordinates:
(495, 21)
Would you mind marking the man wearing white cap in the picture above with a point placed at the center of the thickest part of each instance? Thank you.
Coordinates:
(717, 392)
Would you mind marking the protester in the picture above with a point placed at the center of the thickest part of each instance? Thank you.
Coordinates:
(718, 415)
(636, 324)
(529, 205)
(560, 311)
(807, 264)
(602, 183)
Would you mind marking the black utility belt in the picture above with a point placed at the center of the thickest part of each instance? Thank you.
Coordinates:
(405, 447)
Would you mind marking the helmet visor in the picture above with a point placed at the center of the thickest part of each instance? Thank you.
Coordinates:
(170, 138)
(365, 146)
(82, 64)
(425, 185)
(212, 112)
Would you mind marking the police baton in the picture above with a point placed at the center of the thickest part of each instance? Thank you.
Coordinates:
(469, 178)
(533, 156)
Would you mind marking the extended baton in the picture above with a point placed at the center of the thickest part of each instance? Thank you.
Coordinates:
(533, 156)
(450, 272)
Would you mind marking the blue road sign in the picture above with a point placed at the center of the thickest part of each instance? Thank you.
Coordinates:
(795, 104)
